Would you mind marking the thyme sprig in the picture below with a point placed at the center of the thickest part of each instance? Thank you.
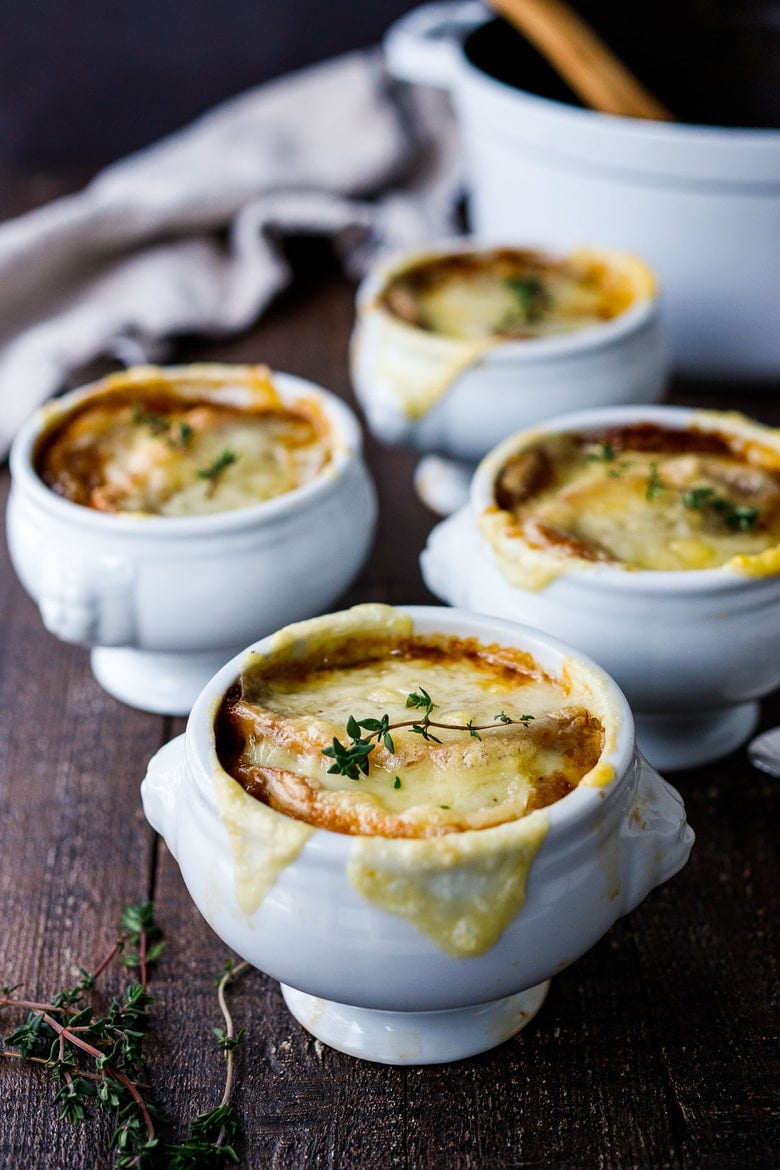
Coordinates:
(604, 453)
(216, 468)
(353, 759)
(157, 424)
(65, 1032)
(655, 484)
(177, 437)
(738, 517)
(533, 299)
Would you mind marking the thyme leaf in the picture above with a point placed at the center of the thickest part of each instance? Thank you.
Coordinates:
(738, 517)
(178, 438)
(604, 454)
(352, 759)
(533, 299)
(184, 436)
(215, 469)
(157, 424)
(697, 497)
(655, 484)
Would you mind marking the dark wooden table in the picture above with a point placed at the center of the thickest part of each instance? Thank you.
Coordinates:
(655, 1050)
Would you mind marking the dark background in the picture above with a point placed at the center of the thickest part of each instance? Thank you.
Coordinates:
(83, 82)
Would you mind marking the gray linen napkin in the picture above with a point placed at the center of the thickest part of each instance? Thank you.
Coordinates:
(179, 237)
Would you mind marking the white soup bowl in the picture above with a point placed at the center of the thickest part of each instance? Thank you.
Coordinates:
(364, 979)
(693, 650)
(164, 601)
(493, 389)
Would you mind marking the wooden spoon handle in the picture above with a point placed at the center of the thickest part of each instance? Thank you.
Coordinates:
(582, 59)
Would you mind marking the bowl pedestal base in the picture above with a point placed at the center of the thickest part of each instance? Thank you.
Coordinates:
(403, 1038)
(691, 739)
(163, 683)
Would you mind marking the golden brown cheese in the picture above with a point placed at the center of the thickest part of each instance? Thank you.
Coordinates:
(502, 738)
(509, 294)
(183, 442)
(640, 497)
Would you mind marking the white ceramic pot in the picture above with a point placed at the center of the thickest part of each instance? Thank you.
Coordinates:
(367, 981)
(693, 650)
(164, 601)
(507, 386)
(700, 203)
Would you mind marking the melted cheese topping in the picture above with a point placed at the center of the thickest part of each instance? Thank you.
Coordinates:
(183, 442)
(513, 294)
(640, 497)
(276, 724)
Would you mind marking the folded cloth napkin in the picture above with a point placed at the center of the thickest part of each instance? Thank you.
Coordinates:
(179, 238)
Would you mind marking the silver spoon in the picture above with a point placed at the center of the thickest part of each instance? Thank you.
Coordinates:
(764, 751)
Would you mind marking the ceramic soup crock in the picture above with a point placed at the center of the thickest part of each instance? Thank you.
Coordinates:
(370, 981)
(694, 650)
(480, 393)
(164, 600)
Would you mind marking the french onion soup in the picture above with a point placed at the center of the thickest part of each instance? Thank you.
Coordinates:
(370, 728)
(640, 497)
(511, 294)
(183, 442)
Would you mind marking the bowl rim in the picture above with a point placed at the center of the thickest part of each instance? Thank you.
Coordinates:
(648, 129)
(567, 816)
(347, 446)
(600, 576)
(591, 337)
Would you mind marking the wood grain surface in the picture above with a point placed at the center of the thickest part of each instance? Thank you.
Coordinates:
(655, 1050)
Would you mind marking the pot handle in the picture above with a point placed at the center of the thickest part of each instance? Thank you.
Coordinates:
(655, 838)
(424, 46)
(161, 789)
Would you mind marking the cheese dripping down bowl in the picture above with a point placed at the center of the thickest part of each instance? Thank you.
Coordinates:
(415, 910)
(165, 517)
(648, 537)
(461, 344)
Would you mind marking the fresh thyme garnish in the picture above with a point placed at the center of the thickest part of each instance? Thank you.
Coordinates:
(655, 484)
(738, 517)
(212, 473)
(697, 497)
(155, 422)
(741, 516)
(352, 760)
(604, 454)
(178, 438)
(532, 297)
(63, 1033)
(184, 437)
